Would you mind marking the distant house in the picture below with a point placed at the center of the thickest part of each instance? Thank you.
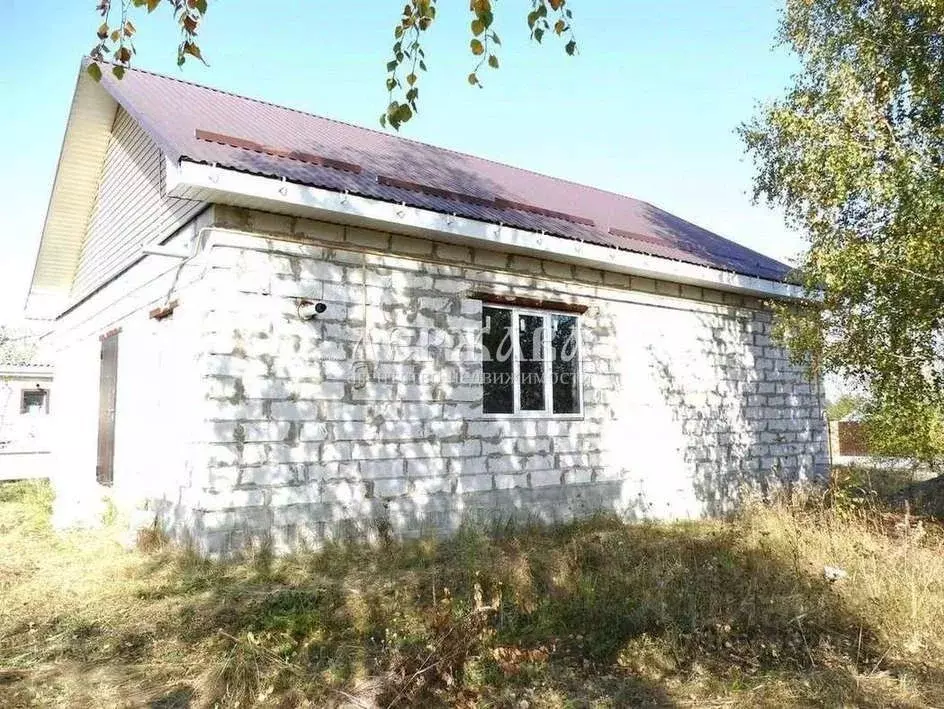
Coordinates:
(275, 326)
(849, 446)
(848, 438)
(26, 376)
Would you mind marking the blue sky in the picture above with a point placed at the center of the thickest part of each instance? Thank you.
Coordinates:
(648, 108)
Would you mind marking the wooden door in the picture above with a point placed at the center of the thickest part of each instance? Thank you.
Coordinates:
(107, 396)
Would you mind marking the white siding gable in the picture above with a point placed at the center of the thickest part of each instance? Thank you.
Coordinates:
(130, 209)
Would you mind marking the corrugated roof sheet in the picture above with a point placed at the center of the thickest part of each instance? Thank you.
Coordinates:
(174, 111)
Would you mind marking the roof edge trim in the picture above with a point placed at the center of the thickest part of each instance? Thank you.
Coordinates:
(192, 180)
(75, 182)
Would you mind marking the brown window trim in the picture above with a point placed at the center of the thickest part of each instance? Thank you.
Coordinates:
(515, 301)
(163, 312)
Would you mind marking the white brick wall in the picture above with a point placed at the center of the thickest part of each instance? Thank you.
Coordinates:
(310, 434)
(161, 403)
(237, 420)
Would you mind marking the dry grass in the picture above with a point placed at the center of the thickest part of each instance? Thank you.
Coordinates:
(593, 614)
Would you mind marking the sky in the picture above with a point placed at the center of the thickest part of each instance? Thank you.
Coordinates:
(648, 108)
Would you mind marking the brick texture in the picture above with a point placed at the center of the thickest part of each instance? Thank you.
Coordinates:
(368, 419)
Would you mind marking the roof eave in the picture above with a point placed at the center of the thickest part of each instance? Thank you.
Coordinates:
(113, 87)
(38, 371)
(191, 180)
(78, 168)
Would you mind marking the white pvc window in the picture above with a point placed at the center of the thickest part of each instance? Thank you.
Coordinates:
(531, 362)
(34, 402)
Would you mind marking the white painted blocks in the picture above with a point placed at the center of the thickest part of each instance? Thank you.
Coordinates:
(680, 394)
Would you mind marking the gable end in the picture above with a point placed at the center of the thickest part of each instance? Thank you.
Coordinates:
(108, 199)
(131, 207)
(73, 193)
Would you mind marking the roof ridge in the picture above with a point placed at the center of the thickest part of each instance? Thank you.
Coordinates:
(452, 151)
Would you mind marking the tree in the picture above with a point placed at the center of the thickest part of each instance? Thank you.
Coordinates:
(115, 41)
(911, 432)
(854, 155)
(844, 406)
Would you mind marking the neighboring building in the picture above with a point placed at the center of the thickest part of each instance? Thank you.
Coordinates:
(849, 446)
(26, 376)
(269, 326)
(848, 438)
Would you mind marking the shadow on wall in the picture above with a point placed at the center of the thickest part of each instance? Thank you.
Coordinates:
(748, 432)
(304, 453)
(386, 459)
(148, 163)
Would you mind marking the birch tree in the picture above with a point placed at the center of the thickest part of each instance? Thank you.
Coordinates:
(854, 155)
(114, 48)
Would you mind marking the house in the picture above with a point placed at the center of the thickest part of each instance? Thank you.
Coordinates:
(850, 447)
(274, 326)
(848, 438)
(25, 384)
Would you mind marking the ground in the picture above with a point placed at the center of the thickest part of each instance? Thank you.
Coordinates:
(733, 613)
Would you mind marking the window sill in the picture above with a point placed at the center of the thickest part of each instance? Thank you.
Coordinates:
(533, 415)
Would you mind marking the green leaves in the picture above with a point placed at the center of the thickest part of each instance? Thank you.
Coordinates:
(484, 39)
(397, 114)
(853, 156)
(408, 55)
(115, 44)
(151, 4)
(539, 22)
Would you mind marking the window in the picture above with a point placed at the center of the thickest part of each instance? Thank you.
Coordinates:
(530, 362)
(34, 401)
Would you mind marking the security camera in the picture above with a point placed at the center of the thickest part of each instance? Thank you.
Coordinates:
(308, 310)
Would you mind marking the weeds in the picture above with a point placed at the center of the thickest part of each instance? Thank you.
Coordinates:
(596, 613)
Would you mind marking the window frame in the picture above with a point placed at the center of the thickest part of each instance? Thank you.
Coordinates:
(24, 411)
(548, 412)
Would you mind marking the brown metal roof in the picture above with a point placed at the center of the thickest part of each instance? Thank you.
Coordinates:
(209, 126)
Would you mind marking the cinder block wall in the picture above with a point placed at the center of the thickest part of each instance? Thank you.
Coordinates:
(313, 430)
(158, 392)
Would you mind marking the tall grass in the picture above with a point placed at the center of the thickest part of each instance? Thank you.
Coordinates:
(597, 613)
